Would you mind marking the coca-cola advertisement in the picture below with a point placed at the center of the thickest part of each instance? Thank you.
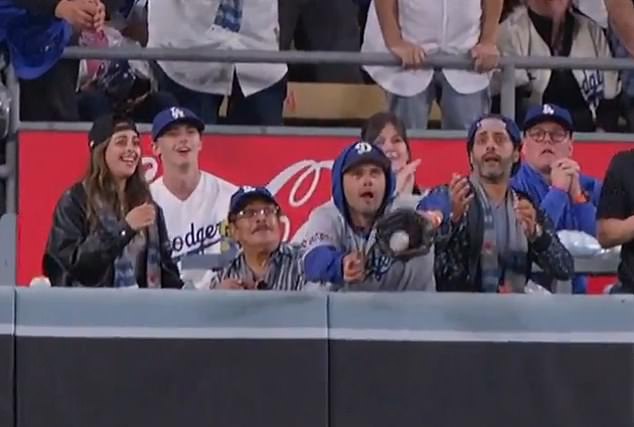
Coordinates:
(296, 169)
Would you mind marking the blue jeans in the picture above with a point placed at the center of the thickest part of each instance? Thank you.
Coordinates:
(264, 108)
(458, 110)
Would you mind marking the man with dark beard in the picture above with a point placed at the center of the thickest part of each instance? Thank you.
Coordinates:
(491, 234)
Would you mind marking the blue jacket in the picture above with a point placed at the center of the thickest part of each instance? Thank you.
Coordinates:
(563, 213)
(35, 42)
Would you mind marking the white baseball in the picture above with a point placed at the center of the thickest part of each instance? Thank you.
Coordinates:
(399, 241)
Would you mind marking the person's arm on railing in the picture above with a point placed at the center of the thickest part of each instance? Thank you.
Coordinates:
(486, 53)
(81, 14)
(410, 54)
(615, 226)
(621, 14)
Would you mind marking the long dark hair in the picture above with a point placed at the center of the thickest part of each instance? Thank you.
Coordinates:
(101, 189)
(373, 127)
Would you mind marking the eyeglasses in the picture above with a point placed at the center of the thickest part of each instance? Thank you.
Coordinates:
(252, 213)
(555, 136)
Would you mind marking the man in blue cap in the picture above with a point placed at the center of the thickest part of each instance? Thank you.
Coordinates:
(492, 235)
(195, 203)
(264, 262)
(553, 179)
(340, 237)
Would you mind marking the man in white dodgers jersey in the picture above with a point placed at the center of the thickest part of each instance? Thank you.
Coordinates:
(195, 203)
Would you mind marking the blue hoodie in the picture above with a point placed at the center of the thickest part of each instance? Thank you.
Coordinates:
(35, 42)
(325, 250)
(564, 214)
(329, 235)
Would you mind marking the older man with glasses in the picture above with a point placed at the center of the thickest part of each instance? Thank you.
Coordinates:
(552, 178)
(264, 262)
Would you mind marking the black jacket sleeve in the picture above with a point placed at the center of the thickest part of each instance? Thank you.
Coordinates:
(38, 7)
(548, 252)
(170, 275)
(76, 255)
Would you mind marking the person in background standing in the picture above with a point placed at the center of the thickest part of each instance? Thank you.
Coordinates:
(616, 14)
(414, 29)
(36, 33)
(255, 92)
(555, 28)
(322, 25)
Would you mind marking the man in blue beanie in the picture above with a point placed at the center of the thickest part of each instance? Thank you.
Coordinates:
(491, 234)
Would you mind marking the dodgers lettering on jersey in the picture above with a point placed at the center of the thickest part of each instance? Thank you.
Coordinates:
(197, 240)
(592, 87)
(196, 225)
(377, 263)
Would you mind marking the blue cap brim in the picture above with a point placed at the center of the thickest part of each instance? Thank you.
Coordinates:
(369, 158)
(198, 124)
(547, 118)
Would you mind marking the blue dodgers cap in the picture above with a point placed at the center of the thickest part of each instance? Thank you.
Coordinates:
(548, 113)
(363, 152)
(173, 115)
(245, 194)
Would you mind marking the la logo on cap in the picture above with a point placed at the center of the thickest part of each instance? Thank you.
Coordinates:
(177, 113)
(548, 110)
(363, 147)
(248, 189)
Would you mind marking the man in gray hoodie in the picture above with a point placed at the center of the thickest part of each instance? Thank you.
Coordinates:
(340, 237)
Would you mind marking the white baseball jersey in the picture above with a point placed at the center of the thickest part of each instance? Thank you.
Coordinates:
(195, 225)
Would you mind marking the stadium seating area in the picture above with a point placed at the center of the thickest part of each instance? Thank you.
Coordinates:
(346, 96)
(400, 202)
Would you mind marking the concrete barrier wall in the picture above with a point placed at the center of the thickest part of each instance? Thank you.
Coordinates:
(168, 358)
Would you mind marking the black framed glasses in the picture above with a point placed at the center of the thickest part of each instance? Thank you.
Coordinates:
(555, 136)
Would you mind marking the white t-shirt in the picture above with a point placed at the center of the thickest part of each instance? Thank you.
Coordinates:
(199, 24)
(195, 225)
(438, 26)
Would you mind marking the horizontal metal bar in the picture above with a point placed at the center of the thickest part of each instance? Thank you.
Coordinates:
(202, 54)
(309, 131)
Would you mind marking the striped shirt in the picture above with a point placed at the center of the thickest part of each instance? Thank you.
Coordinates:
(284, 271)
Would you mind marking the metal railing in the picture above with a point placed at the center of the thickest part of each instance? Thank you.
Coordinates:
(507, 67)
